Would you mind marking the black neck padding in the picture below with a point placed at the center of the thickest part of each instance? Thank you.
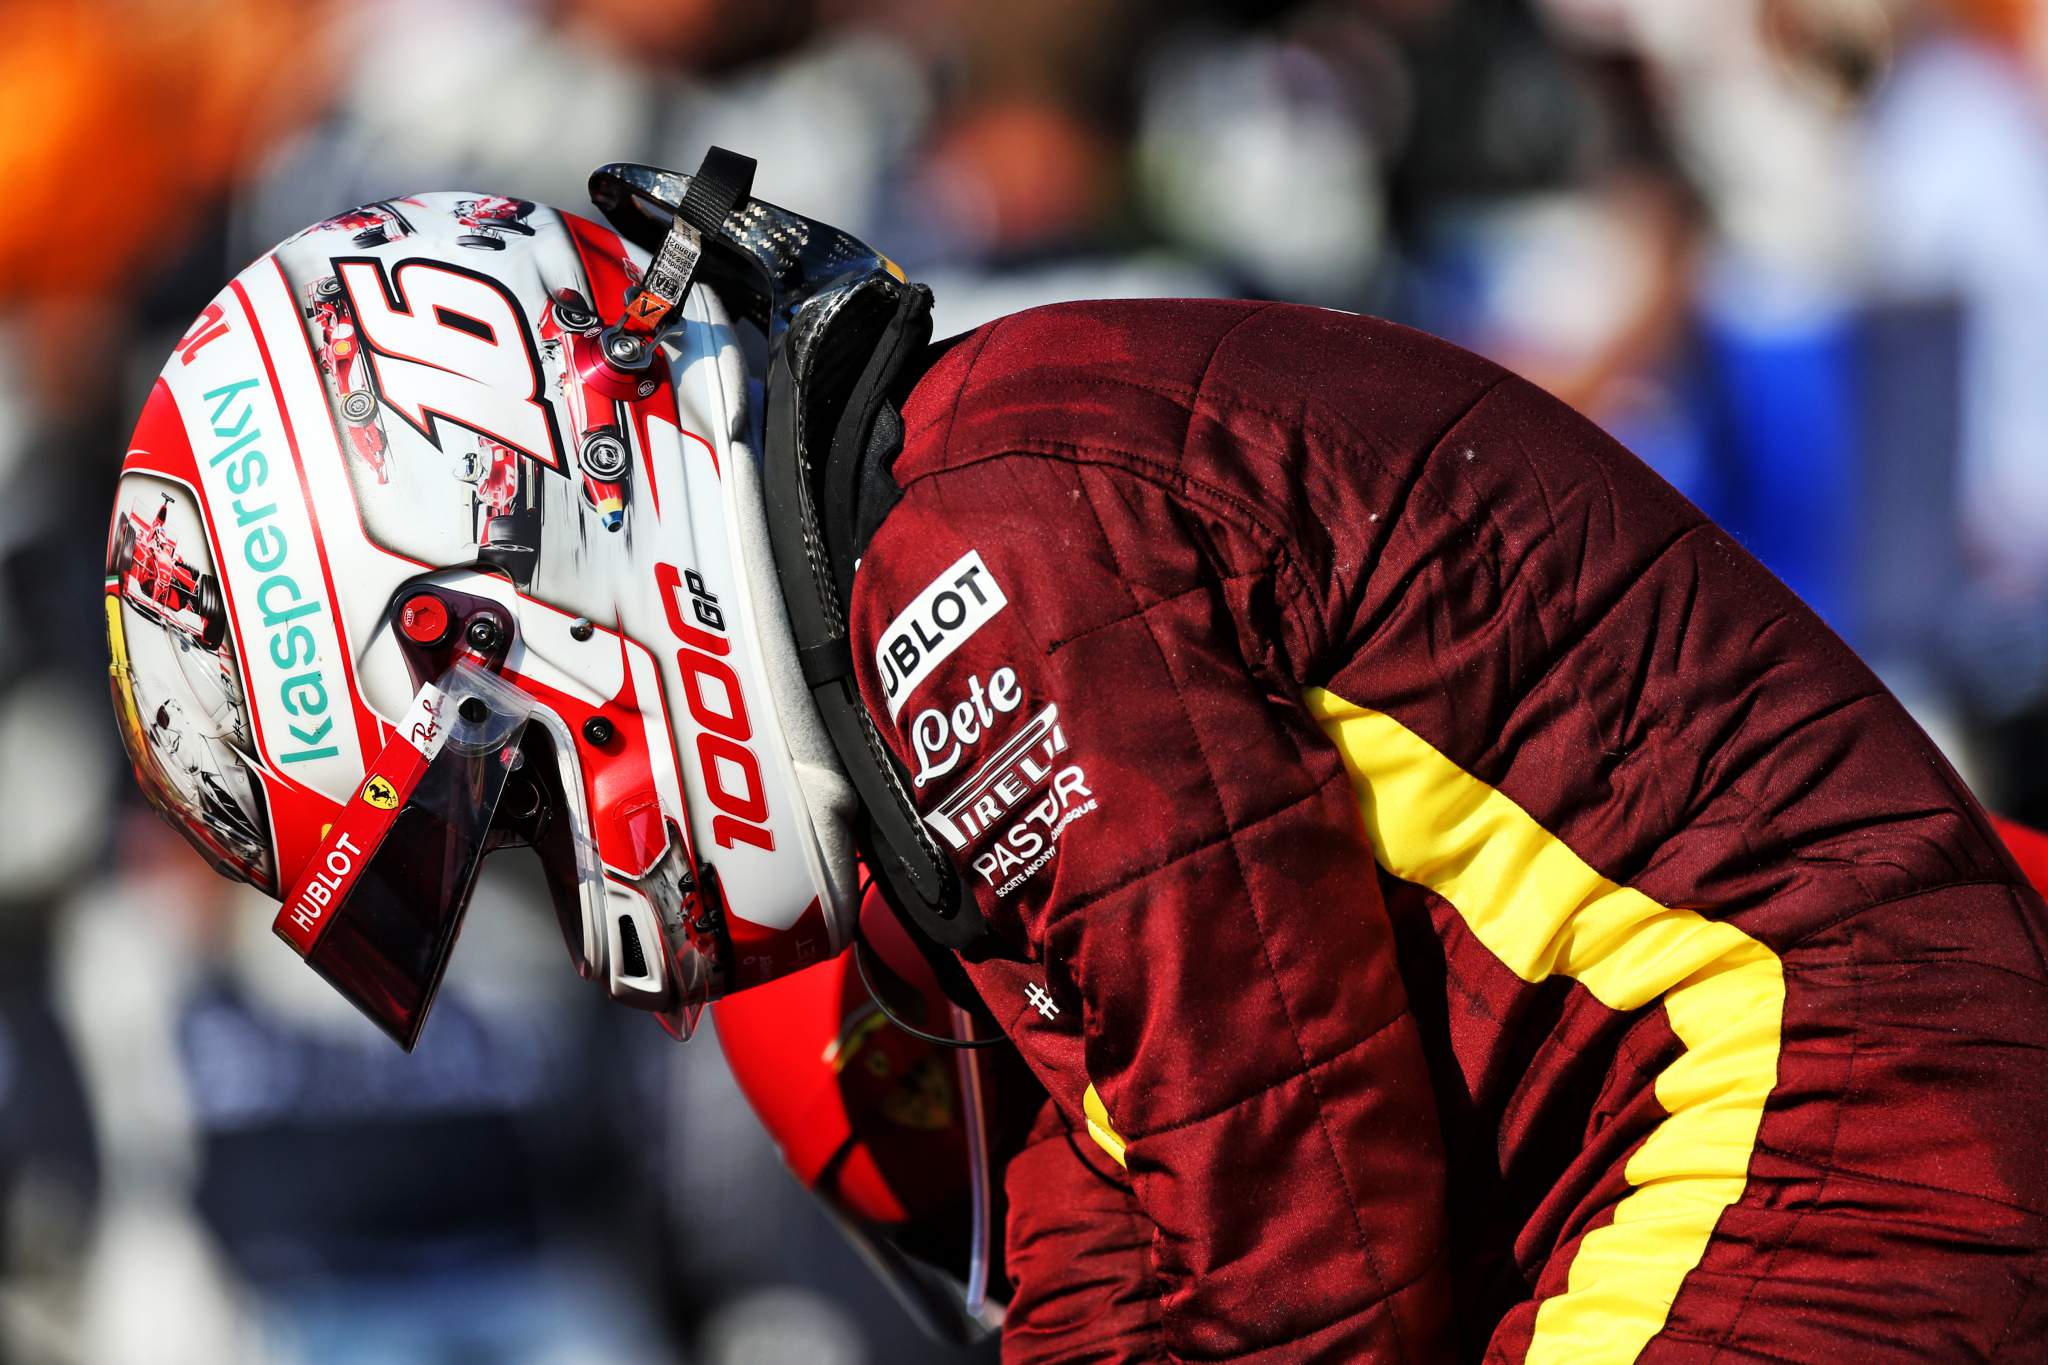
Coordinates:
(827, 474)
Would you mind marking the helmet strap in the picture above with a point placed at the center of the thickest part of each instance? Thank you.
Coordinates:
(720, 185)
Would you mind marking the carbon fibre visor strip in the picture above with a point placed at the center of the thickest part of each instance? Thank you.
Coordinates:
(1542, 911)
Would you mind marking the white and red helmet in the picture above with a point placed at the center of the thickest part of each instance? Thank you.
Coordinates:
(423, 548)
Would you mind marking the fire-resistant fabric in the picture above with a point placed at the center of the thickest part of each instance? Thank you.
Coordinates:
(1460, 904)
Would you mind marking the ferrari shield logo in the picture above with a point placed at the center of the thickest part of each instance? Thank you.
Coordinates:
(923, 1099)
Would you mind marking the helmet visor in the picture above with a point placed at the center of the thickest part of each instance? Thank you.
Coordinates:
(377, 909)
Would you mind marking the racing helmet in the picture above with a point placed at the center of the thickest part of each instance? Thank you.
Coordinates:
(443, 530)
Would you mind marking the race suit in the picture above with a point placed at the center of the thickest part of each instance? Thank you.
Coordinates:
(1459, 903)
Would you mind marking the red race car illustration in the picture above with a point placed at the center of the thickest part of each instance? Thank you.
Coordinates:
(487, 219)
(373, 225)
(569, 330)
(161, 585)
(507, 511)
(340, 358)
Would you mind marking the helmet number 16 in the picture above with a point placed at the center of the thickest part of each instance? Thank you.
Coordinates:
(447, 344)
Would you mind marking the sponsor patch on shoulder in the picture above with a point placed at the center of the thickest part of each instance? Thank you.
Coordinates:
(952, 607)
(1000, 784)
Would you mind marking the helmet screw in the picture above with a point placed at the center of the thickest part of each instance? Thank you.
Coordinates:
(625, 350)
(581, 629)
(424, 619)
(598, 731)
(484, 633)
(473, 710)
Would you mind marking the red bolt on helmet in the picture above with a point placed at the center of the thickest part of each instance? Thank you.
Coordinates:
(443, 530)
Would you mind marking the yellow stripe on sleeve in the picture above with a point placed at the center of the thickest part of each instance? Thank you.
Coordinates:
(1542, 911)
(1099, 1126)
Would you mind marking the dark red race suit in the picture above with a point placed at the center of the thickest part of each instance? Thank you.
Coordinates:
(1459, 903)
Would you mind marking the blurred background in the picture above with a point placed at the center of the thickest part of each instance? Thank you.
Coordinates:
(1793, 252)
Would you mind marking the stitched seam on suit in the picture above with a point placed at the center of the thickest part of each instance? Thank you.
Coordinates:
(1436, 1259)
(1178, 483)
(1814, 931)
(1316, 421)
(1265, 948)
(1840, 1103)
(2032, 1291)
(1276, 535)
(966, 382)
(1130, 879)
(1054, 646)
(1877, 1178)
(1294, 1074)
(1188, 398)
(2032, 942)
(1152, 1248)
(1755, 1353)
(2035, 983)
(1180, 488)
(1187, 434)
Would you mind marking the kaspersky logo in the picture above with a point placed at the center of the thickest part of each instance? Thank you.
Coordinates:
(289, 642)
(255, 542)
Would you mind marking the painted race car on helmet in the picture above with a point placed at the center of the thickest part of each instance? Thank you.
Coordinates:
(153, 578)
(178, 691)
(368, 226)
(340, 357)
(505, 508)
(485, 219)
(591, 393)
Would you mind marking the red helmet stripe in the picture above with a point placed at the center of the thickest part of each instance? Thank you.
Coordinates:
(604, 264)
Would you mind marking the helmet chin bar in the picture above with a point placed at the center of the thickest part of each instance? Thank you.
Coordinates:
(656, 941)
